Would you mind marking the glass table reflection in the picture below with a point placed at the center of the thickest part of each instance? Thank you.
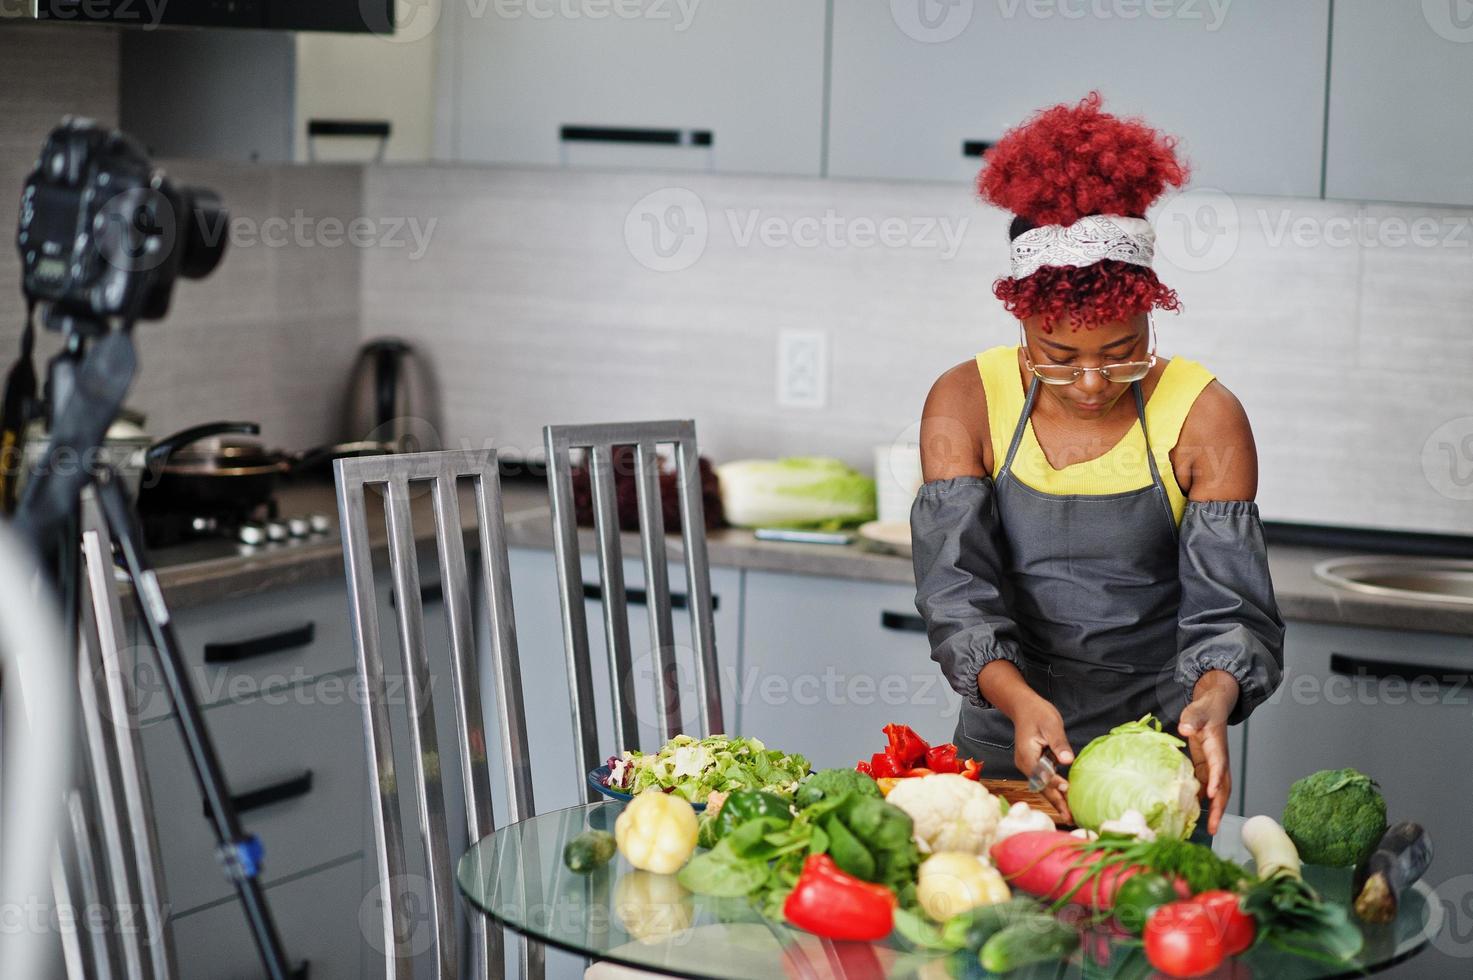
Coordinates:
(649, 921)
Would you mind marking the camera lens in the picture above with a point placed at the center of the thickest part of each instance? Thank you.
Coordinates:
(205, 232)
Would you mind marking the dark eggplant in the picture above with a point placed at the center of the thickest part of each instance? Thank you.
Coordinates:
(1403, 856)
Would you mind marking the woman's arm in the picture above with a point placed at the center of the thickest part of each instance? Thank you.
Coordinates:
(1230, 634)
(956, 549)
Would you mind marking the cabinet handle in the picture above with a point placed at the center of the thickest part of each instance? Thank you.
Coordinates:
(376, 129)
(975, 148)
(902, 622)
(288, 789)
(234, 651)
(633, 134)
(1352, 666)
(428, 595)
(638, 597)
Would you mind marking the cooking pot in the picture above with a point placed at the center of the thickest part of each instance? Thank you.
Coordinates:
(219, 466)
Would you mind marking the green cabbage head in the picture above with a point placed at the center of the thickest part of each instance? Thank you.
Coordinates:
(797, 492)
(1136, 766)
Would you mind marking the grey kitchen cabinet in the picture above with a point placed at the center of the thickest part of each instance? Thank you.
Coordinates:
(827, 663)
(294, 764)
(1242, 85)
(556, 780)
(317, 917)
(1394, 705)
(748, 74)
(1398, 120)
(239, 649)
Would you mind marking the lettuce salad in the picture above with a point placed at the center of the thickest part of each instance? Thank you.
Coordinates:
(695, 768)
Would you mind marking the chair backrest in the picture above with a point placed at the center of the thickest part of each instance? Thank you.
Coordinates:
(401, 478)
(598, 442)
(114, 846)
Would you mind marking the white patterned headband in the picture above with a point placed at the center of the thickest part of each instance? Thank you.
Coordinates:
(1085, 242)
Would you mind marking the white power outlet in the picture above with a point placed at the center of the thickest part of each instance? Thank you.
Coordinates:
(802, 368)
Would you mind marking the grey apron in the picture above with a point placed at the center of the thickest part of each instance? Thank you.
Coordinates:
(1096, 600)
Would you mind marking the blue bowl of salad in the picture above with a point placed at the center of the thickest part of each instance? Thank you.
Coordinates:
(695, 768)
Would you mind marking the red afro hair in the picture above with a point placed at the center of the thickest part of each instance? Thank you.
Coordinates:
(1066, 162)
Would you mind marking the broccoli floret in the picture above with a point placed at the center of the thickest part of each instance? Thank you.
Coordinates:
(834, 782)
(1335, 817)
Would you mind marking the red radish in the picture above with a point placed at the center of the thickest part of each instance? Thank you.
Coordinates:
(1049, 864)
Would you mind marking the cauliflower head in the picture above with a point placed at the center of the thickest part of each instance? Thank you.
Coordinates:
(950, 812)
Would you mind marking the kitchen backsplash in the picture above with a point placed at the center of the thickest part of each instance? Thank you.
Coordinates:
(270, 336)
(568, 296)
(565, 296)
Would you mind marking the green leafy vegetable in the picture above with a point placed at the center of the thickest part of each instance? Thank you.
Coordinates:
(694, 768)
(1292, 916)
(834, 782)
(802, 491)
(1139, 767)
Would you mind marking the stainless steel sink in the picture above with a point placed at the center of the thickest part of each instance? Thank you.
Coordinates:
(1429, 579)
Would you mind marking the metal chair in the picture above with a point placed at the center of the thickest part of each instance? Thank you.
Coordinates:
(112, 859)
(398, 476)
(599, 441)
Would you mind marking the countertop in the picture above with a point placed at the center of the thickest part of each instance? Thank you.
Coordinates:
(204, 572)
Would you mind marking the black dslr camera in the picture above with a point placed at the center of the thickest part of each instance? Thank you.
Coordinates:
(103, 235)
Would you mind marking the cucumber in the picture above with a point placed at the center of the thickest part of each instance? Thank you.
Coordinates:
(1033, 940)
(969, 930)
(589, 851)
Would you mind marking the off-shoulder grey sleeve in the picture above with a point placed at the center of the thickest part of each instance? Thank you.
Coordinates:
(961, 591)
(1229, 617)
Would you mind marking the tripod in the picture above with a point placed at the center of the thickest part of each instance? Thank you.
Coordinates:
(85, 389)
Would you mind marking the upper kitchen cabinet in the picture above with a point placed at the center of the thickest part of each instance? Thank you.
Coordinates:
(723, 85)
(1242, 84)
(1399, 78)
(277, 97)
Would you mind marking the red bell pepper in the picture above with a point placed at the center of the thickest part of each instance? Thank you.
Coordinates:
(835, 905)
(906, 747)
(907, 754)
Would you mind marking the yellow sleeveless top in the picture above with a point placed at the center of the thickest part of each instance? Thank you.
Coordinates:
(1124, 468)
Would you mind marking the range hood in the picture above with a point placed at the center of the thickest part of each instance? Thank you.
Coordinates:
(345, 16)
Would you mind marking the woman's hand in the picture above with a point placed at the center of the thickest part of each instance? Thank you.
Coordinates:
(1037, 725)
(1204, 725)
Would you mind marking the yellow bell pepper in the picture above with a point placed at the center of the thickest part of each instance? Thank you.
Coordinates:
(657, 832)
(954, 881)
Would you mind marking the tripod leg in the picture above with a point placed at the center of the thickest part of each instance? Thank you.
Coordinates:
(239, 854)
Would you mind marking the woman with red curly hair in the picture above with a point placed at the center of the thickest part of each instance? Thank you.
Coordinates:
(1086, 545)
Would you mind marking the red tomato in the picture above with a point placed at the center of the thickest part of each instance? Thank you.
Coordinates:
(1235, 927)
(1182, 940)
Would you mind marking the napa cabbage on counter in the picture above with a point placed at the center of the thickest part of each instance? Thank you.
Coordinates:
(797, 492)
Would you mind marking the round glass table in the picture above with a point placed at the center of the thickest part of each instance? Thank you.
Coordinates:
(649, 921)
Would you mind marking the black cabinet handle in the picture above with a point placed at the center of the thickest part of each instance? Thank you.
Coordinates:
(288, 789)
(902, 622)
(233, 651)
(638, 597)
(634, 134)
(367, 128)
(1352, 666)
(428, 595)
(975, 148)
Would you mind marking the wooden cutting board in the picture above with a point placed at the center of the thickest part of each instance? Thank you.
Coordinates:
(1017, 791)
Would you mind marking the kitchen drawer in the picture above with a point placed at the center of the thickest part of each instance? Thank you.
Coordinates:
(317, 917)
(271, 743)
(238, 648)
(828, 663)
(1394, 705)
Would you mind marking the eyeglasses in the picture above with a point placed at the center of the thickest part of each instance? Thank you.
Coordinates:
(1126, 372)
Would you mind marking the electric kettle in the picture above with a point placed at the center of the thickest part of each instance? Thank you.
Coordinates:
(392, 399)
